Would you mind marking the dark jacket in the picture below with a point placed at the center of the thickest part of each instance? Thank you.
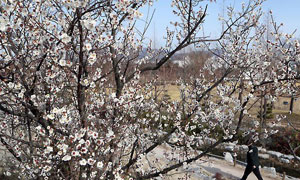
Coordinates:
(252, 156)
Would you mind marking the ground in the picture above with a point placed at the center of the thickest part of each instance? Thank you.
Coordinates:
(212, 166)
(203, 169)
(228, 171)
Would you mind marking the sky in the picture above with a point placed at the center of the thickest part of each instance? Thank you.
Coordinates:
(284, 11)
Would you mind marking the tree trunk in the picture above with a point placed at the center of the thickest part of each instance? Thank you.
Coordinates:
(292, 104)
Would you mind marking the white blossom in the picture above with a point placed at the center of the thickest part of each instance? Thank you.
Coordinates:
(88, 46)
(99, 165)
(92, 58)
(89, 24)
(91, 161)
(82, 162)
(65, 38)
(62, 62)
(49, 149)
(3, 23)
(66, 158)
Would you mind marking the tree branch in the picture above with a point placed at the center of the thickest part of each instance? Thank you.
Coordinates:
(170, 54)
(175, 166)
(158, 142)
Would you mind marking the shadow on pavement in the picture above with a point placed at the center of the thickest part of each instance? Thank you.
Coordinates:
(214, 170)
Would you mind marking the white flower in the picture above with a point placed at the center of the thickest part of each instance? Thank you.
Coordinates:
(83, 175)
(99, 165)
(65, 38)
(11, 85)
(20, 95)
(84, 82)
(7, 173)
(63, 119)
(110, 133)
(62, 62)
(137, 14)
(84, 150)
(87, 143)
(99, 142)
(91, 161)
(75, 153)
(32, 97)
(95, 135)
(47, 168)
(3, 23)
(93, 174)
(55, 110)
(18, 86)
(49, 149)
(66, 158)
(81, 141)
(82, 162)
(8, 8)
(51, 116)
(92, 58)
(68, 120)
(59, 153)
(89, 24)
(36, 53)
(88, 46)
(90, 132)
(78, 146)
(64, 148)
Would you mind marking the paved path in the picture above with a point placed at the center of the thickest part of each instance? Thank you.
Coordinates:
(208, 166)
(214, 166)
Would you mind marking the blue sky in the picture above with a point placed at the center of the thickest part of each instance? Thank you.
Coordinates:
(284, 11)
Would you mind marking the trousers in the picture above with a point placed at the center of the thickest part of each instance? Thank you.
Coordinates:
(250, 169)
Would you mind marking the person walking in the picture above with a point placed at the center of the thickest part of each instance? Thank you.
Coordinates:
(252, 161)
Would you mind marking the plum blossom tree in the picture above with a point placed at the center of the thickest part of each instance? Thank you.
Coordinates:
(287, 48)
(72, 105)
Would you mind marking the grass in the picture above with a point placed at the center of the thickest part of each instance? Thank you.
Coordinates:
(174, 92)
(285, 112)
